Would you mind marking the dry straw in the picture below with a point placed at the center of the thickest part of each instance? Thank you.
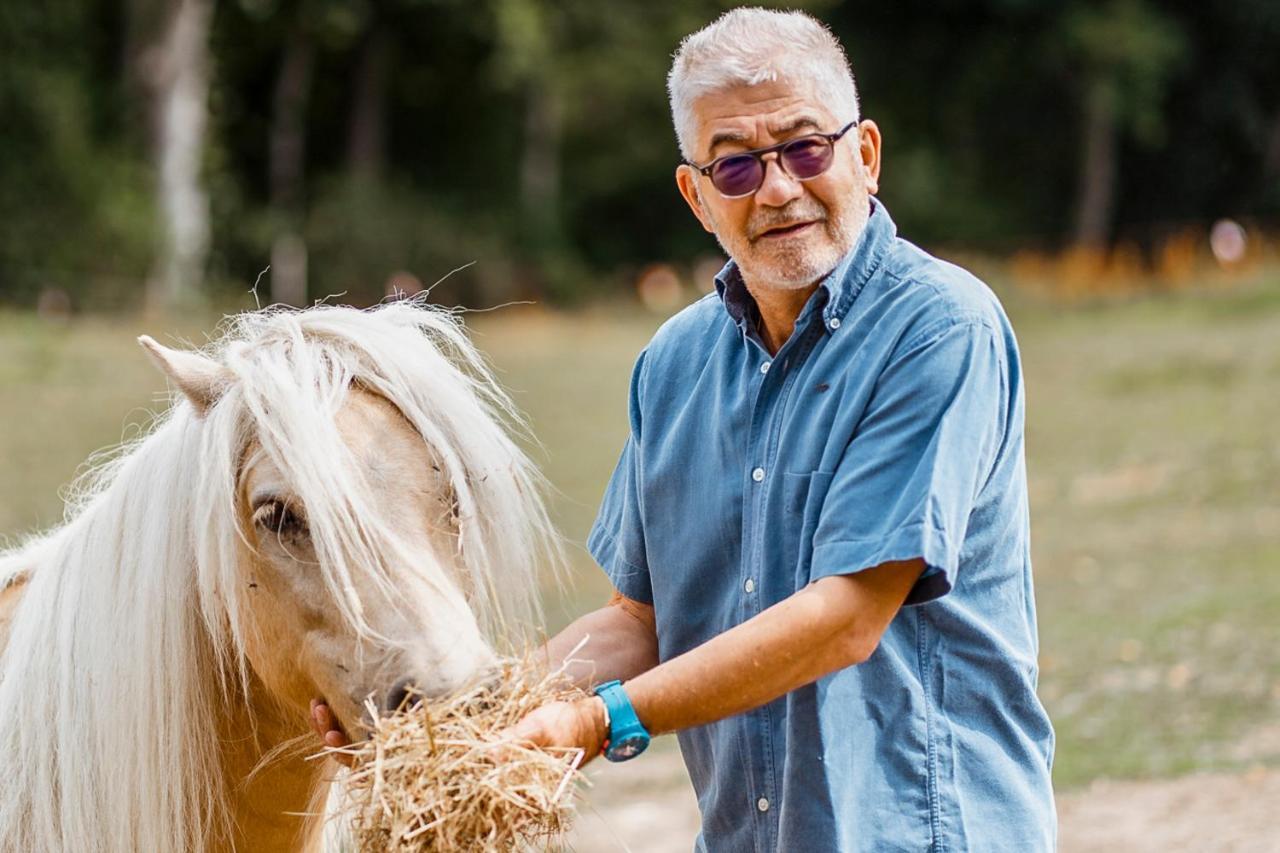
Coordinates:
(436, 778)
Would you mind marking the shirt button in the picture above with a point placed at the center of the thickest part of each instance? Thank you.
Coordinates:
(757, 474)
(762, 804)
(764, 368)
(750, 585)
(835, 323)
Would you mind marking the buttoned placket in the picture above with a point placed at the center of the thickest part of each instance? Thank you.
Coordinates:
(774, 381)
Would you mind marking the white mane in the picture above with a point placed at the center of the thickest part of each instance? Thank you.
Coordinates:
(123, 639)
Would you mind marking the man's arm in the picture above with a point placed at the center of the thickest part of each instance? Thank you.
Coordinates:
(832, 623)
(621, 641)
(835, 622)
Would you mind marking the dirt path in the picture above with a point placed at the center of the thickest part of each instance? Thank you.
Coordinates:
(1203, 812)
(648, 807)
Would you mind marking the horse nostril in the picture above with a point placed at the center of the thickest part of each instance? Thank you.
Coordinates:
(403, 696)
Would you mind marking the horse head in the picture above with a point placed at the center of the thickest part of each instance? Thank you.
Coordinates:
(350, 579)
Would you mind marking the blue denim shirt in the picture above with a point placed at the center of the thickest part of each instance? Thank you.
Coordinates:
(888, 427)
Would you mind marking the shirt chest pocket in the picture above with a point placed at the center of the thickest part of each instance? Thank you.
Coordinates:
(802, 499)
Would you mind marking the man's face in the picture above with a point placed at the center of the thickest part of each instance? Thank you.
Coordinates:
(788, 234)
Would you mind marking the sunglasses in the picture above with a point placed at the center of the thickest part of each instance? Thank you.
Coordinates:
(742, 173)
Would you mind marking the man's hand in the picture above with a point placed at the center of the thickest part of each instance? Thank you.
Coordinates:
(571, 725)
(326, 725)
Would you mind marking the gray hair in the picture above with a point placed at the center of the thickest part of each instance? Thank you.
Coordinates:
(748, 46)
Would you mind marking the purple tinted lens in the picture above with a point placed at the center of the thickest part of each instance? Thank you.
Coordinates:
(807, 158)
(737, 175)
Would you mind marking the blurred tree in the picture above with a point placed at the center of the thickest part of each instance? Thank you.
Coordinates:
(287, 166)
(974, 108)
(1124, 52)
(366, 137)
(74, 207)
(527, 54)
(174, 66)
(353, 141)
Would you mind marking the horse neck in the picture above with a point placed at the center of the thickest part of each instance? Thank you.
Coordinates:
(269, 804)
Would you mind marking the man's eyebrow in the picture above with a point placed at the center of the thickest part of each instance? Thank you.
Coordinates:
(795, 124)
(727, 136)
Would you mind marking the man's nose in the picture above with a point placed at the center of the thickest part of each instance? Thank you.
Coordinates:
(778, 188)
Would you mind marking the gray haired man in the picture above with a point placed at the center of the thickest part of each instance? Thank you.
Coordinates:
(817, 530)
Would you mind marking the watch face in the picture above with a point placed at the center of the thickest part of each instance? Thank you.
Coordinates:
(628, 747)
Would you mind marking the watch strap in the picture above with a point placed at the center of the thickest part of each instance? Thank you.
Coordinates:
(624, 727)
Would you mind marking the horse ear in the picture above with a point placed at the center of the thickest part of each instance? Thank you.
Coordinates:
(201, 379)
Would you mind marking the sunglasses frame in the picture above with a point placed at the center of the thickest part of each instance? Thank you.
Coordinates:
(759, 154)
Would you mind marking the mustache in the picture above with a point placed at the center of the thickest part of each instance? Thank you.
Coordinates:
(763, 220)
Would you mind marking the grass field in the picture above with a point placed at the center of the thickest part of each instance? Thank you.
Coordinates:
(1154, 464)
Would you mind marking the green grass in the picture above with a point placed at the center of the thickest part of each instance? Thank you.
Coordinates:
(67, 390)
(1154, 461)
(1153, 464)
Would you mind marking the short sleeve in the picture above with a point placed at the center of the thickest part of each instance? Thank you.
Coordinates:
(616, 540)
(909, 478)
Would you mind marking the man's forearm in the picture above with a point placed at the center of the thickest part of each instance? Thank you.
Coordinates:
(620, 643)
(832, 623)
(829, 625)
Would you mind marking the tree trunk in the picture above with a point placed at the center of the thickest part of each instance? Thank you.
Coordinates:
(287, 168)
(366, 144)
(541, 232)
(540, 162)
(180, 92)
(1271, 158)
(1098, 169)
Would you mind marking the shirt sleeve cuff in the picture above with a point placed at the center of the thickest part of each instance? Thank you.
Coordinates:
(850, 556)
(629, 579)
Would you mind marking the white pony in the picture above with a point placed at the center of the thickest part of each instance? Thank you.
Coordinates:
(333, 505)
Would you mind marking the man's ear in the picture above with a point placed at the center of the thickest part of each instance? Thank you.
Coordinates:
(869, 153)
(687, 181)
(200, 379)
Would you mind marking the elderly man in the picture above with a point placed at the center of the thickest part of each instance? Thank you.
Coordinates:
(817, 529)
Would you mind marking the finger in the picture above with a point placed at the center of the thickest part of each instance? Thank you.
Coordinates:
(337, 740)
(513, 735)
(530, 731)
(327, 719)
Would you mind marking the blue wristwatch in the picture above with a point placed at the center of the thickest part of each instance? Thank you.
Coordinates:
(627, 737)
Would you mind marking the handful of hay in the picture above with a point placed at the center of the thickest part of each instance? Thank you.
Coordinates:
(434, 777)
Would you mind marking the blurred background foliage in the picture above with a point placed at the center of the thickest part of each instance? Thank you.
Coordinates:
(355, 145)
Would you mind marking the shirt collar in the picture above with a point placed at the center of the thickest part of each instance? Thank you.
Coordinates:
(839, 288)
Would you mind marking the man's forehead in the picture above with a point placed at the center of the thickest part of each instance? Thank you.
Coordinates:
(737, 114)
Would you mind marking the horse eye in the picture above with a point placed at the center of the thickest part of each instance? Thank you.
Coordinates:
(278, 518)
